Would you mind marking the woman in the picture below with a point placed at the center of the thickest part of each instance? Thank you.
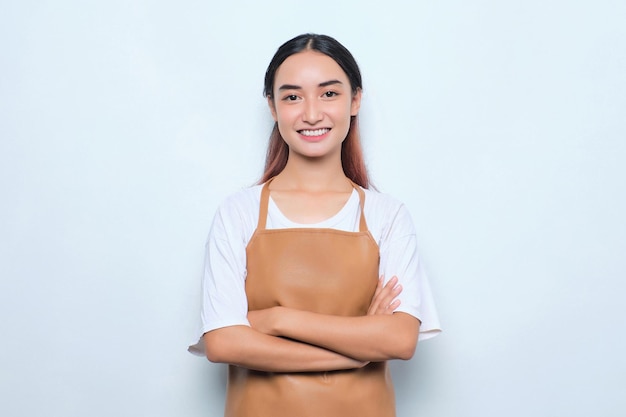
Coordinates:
(312, 281)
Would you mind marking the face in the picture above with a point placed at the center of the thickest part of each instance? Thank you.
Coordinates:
(312, 103)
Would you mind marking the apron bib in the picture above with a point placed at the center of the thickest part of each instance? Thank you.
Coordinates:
(325, 271)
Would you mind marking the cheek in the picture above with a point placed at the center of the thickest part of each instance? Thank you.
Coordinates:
(342, 111)
(286, 116)
(285, 120)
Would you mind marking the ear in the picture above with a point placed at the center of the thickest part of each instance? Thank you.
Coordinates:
(270, 103)
(356, 102)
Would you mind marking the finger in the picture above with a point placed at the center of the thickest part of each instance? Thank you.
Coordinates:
(374, 304)
(383, 297)
(389, 308)
(379, 286)
(384, 300)
(392, 307)
(390, 290)
(391, 296)
(388, 297)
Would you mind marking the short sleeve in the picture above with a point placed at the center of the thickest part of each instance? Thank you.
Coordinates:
(224, 301)
(399, 257)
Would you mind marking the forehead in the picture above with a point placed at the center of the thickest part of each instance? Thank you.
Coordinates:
(309, 68)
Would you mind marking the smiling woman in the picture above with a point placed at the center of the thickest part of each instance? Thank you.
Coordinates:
(312, 281)
(312, 105)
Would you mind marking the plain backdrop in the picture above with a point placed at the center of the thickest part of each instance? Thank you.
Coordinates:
(500, 124)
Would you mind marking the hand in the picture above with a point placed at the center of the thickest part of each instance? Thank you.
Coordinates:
(264, 320)
(384, 300)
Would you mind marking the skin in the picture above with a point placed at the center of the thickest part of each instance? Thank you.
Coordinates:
(312, 187)
(312, 103)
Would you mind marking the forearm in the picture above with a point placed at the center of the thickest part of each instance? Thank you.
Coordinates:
(366, 338)
(246, 347)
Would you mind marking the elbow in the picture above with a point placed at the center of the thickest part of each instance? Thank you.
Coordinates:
(214, 356)
(224, 345)
(400, 347)
(406, 337)
(406, 349)
(214, 348)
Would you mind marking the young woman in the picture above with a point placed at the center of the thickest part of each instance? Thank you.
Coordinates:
(312, 281)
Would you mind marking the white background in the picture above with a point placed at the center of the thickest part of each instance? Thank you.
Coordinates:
(501, 125)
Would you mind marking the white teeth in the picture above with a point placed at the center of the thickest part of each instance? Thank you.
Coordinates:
(317, 132)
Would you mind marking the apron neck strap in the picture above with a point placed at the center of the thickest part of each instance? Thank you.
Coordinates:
(265, 199)
(362, 223)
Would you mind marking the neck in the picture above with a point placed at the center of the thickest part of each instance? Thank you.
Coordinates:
(312, 175)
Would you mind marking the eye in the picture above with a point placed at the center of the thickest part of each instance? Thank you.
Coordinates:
(330, 94)
(290, 97)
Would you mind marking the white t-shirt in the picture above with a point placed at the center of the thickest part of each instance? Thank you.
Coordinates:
(224, 301)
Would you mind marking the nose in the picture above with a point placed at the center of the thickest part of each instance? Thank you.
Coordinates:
(312, 112)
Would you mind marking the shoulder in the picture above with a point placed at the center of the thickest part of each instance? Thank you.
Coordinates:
(242, 200)
(386, 216)
(380, 204)
(238, 213)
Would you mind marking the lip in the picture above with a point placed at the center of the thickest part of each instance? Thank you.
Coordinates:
(314, 138)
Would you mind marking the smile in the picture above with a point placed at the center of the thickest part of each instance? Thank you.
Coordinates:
(316, 132)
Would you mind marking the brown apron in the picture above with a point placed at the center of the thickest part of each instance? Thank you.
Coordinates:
(322, 270)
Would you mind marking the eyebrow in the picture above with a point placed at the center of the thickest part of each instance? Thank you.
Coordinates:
(297, 87)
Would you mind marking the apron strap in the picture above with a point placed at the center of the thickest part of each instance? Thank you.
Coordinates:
(362, 222)
(265, 198)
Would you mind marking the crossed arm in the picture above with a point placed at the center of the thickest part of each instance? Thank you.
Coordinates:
(282, 339)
